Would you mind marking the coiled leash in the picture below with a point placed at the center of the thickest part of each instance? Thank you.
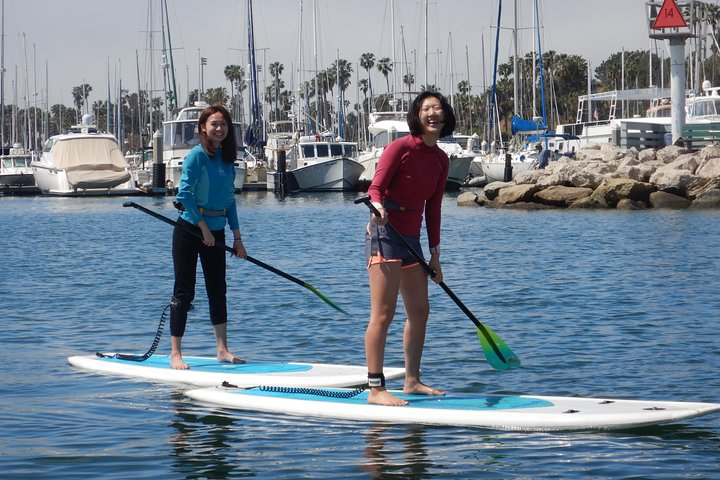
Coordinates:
(304, 391)
(153, 347)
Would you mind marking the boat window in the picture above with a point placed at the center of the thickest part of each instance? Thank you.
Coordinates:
(336, 150)
(7, 162)
(22, 162)
(308, 151)
(322, 150)
(48, 145)
(380, 140)
(350, 150)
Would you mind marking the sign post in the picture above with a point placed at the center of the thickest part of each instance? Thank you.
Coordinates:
(668, 24)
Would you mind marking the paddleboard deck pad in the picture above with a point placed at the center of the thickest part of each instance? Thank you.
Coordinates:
(209, 372)
(505, 412)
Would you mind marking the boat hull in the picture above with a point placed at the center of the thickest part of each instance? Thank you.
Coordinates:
(339, 174)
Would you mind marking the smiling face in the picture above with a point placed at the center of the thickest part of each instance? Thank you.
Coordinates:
(216, 129)
(432, 117)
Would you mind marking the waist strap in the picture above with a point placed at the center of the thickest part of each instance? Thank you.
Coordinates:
(211, 213)
(203, 211)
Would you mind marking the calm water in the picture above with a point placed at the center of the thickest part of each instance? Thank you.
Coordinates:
(611, 304)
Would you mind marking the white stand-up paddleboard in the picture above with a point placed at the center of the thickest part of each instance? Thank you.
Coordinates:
(506, 412)
(209, 372)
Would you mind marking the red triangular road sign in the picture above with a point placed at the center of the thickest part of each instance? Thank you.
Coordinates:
(669, 16)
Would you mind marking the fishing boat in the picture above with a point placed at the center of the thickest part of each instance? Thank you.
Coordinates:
(181, 135)
(83, 162)
(16, 175)
(321, 163)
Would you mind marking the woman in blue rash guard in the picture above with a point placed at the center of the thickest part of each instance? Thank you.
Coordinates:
(207, 194)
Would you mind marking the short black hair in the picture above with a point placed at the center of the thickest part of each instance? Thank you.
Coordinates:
(413, 116)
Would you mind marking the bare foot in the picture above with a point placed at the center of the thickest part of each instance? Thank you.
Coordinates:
(419, 388)
(177, 363)
(230, 358)
(383, 397)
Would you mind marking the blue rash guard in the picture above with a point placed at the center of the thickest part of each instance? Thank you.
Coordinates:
(208, 183)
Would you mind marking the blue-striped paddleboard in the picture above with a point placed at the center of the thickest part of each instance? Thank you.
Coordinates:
(506, 412)
(209, 372)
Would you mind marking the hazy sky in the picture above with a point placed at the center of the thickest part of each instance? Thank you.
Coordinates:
(77, 41)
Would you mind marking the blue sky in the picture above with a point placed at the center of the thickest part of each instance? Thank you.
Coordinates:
(79, 40)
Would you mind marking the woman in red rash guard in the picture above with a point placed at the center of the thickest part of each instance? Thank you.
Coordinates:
(409, 181)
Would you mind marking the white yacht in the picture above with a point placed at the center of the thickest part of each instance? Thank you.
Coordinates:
(320, 163)
(83, 162)
(181, 135)
(16, 175)
(385, 127)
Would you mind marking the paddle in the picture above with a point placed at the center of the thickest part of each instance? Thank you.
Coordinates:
(498, 354)
(248, 258)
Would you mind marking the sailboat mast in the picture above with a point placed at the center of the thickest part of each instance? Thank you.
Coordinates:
(172, 97)
(491, 113)
(540, 65)
(516, 87)
(2, 75)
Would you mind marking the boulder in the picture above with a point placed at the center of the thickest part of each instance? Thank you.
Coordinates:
(709, 199)
(709, 168)
(627, 204)
(491, 189)
(614, 189)
(702, 185)
(672, 180)
(467, 199)
(668, 201)
(516, 193)
(561, 196)
(590, 202)
(669, 154)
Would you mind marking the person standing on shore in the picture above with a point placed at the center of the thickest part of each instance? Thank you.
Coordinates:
(409, 181)
(207, 195)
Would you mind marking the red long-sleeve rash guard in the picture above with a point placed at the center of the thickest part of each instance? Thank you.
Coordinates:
(409, 179)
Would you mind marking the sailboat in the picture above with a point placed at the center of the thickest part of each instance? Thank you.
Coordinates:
(16, 175)
(523, 155)
(316, 160)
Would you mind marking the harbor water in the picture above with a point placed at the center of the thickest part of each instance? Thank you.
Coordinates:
(622, 304)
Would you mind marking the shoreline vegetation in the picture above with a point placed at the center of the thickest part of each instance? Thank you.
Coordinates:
(610, 177)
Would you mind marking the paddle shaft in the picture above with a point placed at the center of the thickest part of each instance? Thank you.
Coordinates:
(431, 272)
(228, 249)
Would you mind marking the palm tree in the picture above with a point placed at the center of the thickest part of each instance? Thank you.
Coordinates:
(367, 61)
(385, 66)
(80, 95)
(235, 74)
(276, 69)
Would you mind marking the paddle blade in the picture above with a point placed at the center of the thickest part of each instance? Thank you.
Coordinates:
(491, 345)
(324, 298)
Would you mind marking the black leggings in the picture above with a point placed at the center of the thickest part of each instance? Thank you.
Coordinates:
(185, 251)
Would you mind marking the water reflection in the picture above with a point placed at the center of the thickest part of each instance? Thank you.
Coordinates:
(205, 443)
(389, 454)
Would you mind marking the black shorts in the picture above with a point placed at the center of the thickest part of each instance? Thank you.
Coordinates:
(383, 246)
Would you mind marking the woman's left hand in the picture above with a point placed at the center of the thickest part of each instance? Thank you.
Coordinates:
(239, 249)
(434, 264)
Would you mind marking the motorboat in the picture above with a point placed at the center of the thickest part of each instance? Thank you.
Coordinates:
(181, 135)
(83, 162)
(320, 163)
(16, 175)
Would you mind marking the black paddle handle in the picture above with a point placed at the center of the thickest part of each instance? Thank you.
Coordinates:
(366, 200)
(196, 234)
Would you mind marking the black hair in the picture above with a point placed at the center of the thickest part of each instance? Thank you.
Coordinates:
(229, 144)
(413, 116)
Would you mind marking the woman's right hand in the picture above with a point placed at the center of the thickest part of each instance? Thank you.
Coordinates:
(382, 219)
(208, 237)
